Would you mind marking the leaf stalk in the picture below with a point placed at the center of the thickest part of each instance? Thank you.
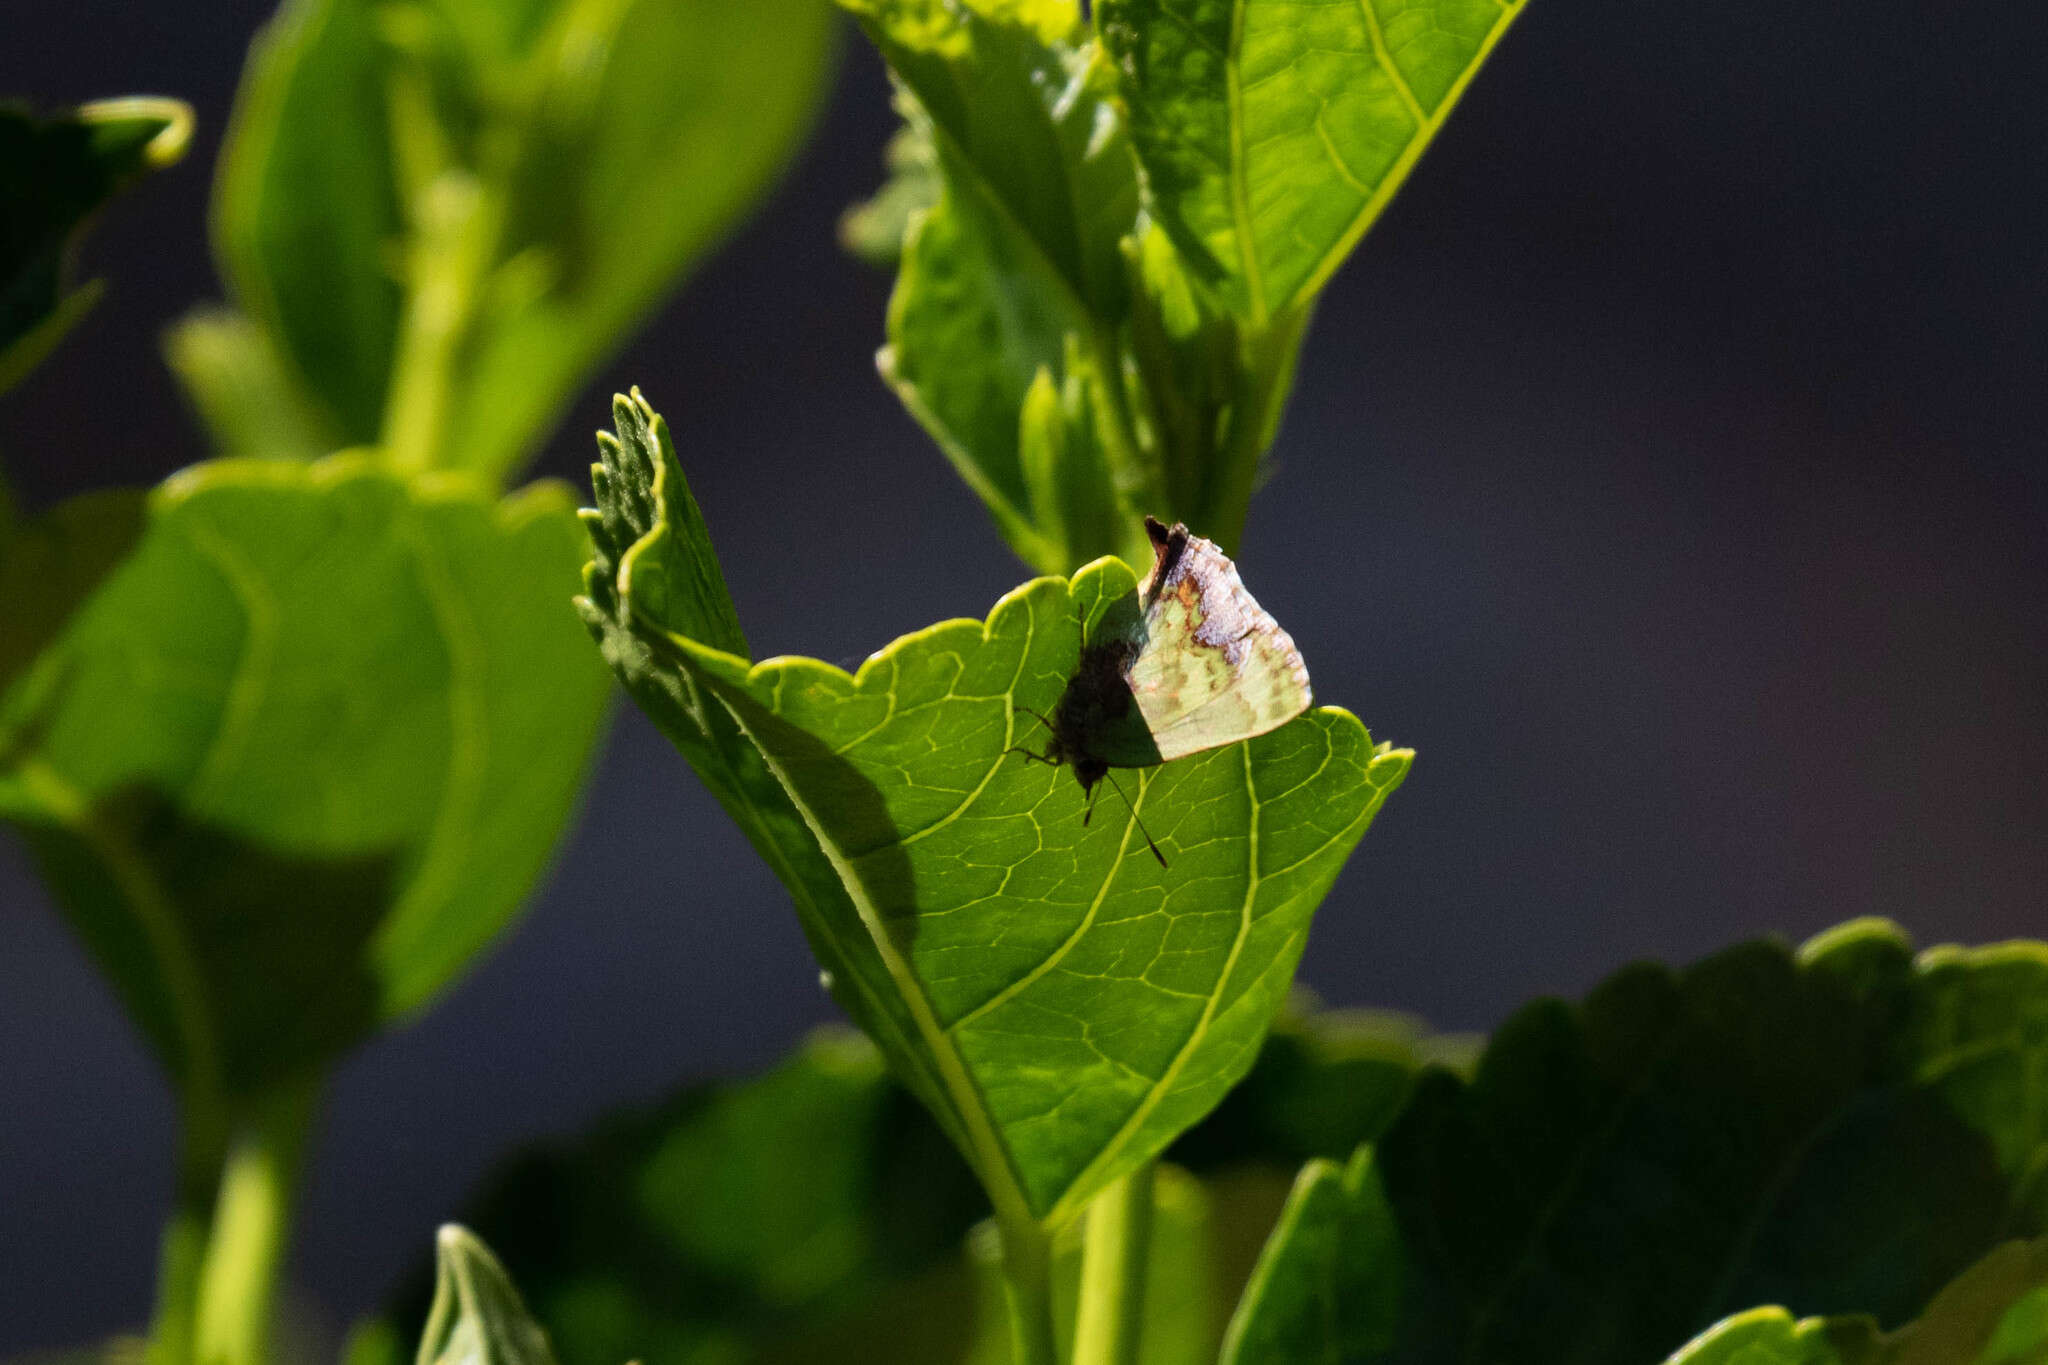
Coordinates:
(252, 1214)
(1109, 1323)
(1027, 1286)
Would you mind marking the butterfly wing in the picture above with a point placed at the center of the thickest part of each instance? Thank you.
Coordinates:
(1213, 668)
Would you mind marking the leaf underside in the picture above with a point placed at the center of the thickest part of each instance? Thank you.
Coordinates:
(1064, 1004)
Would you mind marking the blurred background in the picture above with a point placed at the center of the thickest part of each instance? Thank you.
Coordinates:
(1668, 469)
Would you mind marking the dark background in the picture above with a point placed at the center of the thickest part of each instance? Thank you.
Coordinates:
(1667, 469)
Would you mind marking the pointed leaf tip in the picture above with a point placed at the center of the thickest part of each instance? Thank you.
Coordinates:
(478, 1316)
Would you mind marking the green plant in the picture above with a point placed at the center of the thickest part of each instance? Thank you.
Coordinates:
(259, 727)
(291, 735)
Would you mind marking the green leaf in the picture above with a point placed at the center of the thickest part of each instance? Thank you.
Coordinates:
(242, 390)
(817, 1212)
(299, 753)
(1064, 1004)
(1024, 254)
(1841, 1131)
(54, 175)
(478, 1317)
(1995, 1313)
(1273, 132)
(735, 1215)
(446, 212)
(1013, 267)
(1017, 110)
(1326, 1080)
(874, 231)
(52, 565)
(1329, 1284)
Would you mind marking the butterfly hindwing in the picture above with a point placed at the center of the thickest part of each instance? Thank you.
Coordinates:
(1213, 667)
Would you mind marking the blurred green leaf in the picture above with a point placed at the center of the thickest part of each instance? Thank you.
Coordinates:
(733, 1216)
(55, 174)
(446, 212)
(242, 390)
(1995, 1313)
(1329, 1284)
(1841, 1131)
(818, 1213)
(299, 753)
(53, 564)
(1326, 1080)
(1066, 1005)
(478, 1317)
(1274, 132)
(874, 230)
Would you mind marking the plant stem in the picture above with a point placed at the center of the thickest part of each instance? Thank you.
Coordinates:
(1027, 1284)
(251, 1221)
(1110, 1320)
(202, 1148)
(457, 224)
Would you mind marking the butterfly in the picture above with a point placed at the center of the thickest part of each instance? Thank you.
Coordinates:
(1197, 664)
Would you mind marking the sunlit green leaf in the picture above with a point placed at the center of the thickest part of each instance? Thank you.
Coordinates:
(1017, 110)
(291, 743)
(1011, 264)
(1840, 1131)
(55, 173)
(1024, 253)
(1066, 1005)
(1995, 1313)
(447, 211)
(1273, 132)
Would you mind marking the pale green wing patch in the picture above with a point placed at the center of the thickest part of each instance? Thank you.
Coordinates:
(1215, 668)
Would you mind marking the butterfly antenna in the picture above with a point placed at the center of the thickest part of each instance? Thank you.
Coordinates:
(1135, 819)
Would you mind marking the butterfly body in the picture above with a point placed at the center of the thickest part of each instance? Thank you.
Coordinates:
(1198, 665)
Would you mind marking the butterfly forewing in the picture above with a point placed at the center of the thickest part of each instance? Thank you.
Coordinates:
(1213, 668)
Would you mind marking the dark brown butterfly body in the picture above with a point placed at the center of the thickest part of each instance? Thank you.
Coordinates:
(1097, 702)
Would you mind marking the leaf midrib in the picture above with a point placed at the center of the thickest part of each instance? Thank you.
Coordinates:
(1418, 142)
(1134, 1124)
(996, 1166)
(1240, 190)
